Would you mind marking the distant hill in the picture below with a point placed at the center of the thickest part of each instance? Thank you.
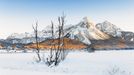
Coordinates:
(68, 44)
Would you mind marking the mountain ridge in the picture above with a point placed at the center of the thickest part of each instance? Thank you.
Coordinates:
(103, 35)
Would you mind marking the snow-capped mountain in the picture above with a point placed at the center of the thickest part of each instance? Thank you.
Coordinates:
(101, 35)
(23, 38)
(86, 31)
(79, 33)
(109, 28)
(19, 36)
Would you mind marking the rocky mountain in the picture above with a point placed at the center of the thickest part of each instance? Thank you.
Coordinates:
(86, 31)
(128, 38)
(103, 35)
(109, 29)
(26, 38)
(126, 41)
(19, 36)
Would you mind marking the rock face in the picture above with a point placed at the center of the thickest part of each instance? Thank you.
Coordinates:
(94, 33)
(128, 37)
(109, 29)
(86, 31)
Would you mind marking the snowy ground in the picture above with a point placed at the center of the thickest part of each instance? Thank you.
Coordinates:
(76, 63)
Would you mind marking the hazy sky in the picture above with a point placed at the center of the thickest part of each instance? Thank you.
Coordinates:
(18, 15)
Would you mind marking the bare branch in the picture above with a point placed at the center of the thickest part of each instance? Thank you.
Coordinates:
(37, 42)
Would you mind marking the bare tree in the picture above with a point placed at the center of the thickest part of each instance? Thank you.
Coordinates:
(51, 56)
(57, 51)
(62, 32)
(35, 28)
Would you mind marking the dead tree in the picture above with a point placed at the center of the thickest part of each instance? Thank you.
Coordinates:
(35, 28)
(57, 51)
(50, 58)
(63, 55)
(51, 53)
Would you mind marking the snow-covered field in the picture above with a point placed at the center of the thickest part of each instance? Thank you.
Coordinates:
(76, 63)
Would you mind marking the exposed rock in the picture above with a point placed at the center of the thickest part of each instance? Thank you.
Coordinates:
(85, 31)
(109, 29)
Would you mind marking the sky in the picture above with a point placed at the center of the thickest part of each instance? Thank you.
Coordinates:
(18, 16)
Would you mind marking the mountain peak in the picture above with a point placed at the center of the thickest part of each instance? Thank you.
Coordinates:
(109, 28)
(88, 19)
(89, 22)
(108, 23)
